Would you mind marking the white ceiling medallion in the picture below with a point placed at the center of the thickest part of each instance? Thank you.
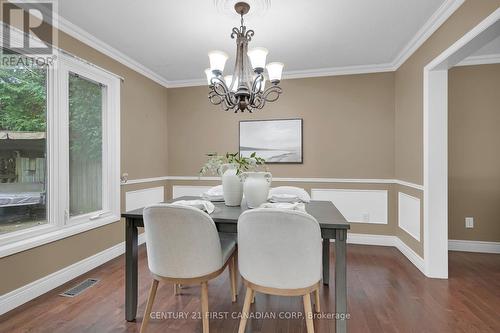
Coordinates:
(258, 7)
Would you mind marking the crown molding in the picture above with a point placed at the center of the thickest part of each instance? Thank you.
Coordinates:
(307, 73)
(433, 23)
(336, 71)
(480, 60)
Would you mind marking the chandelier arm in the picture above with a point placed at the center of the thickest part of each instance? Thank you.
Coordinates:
(220, 94)
(235, 33)
(214, 98)
(249, 34)
(219, 86)
(267, 95)
(259, 102)
(257, 84)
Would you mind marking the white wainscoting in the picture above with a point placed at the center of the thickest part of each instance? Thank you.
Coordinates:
(409, 214)
(362, 206)
(188, 190)
(144, 197)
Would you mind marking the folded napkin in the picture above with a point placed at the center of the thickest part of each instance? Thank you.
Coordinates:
(281, 192)
(204, 205)
(214, 194)
(284, 198)
(285, 205)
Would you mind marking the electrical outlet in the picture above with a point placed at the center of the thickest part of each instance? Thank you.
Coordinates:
(469, 222)
(366, 217)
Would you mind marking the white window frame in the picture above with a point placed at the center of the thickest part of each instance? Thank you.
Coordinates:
(59, 225)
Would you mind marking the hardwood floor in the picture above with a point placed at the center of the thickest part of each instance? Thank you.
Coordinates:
(386, 293)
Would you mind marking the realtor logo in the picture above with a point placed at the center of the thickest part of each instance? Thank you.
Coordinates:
(27, 27)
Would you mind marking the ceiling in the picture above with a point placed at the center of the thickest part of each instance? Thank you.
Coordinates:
(171, 38)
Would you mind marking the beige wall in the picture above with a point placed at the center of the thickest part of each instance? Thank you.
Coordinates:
(409, 87)
(348, 133)
(348, 126)
(474, 155)
(409, 94)
(143, 155)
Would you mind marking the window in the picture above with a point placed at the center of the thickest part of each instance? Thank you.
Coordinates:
(85, 145)
(23, 149)
(59, 151)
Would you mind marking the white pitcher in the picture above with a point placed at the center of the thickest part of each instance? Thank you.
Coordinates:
(231, 184)
(256, 187)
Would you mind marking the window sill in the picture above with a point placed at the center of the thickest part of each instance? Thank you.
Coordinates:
(51, 233)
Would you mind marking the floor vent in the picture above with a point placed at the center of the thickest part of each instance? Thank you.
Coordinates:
(79, 288)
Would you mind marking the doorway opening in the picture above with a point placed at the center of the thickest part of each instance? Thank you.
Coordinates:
(436, 141)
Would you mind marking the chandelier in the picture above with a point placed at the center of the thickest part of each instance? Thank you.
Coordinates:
(245, 88)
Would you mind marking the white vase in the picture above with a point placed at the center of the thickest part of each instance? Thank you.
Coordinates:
(231, 185)
(256, 187)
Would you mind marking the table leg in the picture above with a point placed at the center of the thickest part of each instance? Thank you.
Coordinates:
(326, 261)
(131, 270)
(340, 280)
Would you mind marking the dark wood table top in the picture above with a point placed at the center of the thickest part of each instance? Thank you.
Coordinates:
(324, 212)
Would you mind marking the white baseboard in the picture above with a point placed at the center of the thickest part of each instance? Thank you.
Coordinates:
(473, 246)
(384, 240)
(413, 256)
(39, 287)
(368, 239)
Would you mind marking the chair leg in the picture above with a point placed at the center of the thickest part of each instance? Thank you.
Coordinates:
(236, 270)
(232, 274)
(317, 306)
(204, 306)
(147, 312)
(246, 310)
(308, 313)
(176, 292)
(253, 296)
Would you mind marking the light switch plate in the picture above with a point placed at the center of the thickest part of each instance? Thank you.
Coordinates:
(469, 222)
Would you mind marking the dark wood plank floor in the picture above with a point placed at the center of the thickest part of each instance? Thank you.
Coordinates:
(386, 294)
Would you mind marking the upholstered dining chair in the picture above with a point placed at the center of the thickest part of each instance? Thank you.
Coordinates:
(184, 247)
(279, 253)
(291, 190)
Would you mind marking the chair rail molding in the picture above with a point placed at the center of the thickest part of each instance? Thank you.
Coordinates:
(284, 179)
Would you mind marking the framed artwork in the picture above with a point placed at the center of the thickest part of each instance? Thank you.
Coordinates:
(275, 140)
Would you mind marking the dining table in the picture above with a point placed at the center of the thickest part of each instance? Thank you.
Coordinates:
(333, 226)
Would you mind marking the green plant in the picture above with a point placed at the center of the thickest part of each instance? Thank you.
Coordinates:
(215, 161)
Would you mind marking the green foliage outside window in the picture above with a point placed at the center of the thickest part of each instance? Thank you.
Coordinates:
(85, 118)
(23, 107)
(23, 102)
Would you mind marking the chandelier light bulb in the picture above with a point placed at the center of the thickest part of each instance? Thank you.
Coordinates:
(210, 75)
(217, 61)
(258, 58)
(274, 70)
